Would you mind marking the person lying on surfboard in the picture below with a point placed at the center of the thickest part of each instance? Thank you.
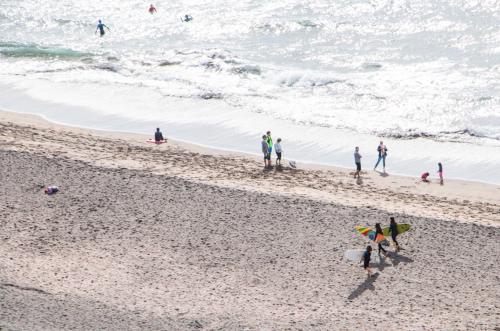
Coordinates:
(158, 135)
(187, 18)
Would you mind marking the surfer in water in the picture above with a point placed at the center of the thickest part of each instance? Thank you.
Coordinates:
(393, 230)
(152, 9)
(378, 229)
(187, 18)
(158, 135)
(366, 260)
(100, 27)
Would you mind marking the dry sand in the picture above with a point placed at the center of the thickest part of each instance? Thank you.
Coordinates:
(176, 237)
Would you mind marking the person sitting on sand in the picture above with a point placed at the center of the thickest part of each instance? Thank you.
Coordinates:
(357, 161)
(152, 9)
(277, 148)
(366, 260)
(440, 173)
(158, 135)
(393, 230)
(265, 151)
(378, 230)
(424, 177)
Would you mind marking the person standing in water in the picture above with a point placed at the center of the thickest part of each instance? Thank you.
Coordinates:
(366, 260)
(378, 229)
(357, 161)
(100, 27)
(152, 9)
(440, 173)
(393, 230)
(382, 154)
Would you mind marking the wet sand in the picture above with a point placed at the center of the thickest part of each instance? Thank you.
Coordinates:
(178, 237)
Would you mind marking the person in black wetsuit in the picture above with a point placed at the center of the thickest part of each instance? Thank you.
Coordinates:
(393, 230)
(378, 229)
(100, 27)
(366, 260)
(158, 135)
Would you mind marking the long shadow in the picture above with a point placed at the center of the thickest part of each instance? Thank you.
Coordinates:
(366, 285)
(381, 264)
(382, 173)
(397, 259)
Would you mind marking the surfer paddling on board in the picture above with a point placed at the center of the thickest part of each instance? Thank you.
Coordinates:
(152, 9)
(187, 18)
(100, 27)
(366, 260)
(158, 135)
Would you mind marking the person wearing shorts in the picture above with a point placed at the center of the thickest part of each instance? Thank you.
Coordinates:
(357, 161)
(265, 151)
(277, 148)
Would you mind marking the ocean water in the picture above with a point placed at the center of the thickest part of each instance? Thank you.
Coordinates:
(424, 76)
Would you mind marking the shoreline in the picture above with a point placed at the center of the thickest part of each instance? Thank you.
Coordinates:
(322, 147)
(470, 201)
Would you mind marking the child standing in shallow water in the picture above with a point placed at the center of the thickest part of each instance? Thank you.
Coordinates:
(440, 173)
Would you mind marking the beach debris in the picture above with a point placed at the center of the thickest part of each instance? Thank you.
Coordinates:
(52, 189)
(292, 164)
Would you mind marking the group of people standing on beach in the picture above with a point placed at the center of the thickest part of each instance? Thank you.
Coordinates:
(267, 150)
(382, 155)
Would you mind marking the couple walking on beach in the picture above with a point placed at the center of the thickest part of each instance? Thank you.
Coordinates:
(382, 154)
(267, 150)
(393, 230)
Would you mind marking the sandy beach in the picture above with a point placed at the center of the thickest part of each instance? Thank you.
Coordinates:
(179, 237)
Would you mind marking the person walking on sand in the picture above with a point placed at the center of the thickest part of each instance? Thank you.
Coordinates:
(382, 154)
(265, 151)
(279, 150)
(100, 27)
(378, 230)
(357, 161)
(440, 173)
(393, 230)
(366, 261)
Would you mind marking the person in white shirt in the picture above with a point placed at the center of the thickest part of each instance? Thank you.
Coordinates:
(277, 148)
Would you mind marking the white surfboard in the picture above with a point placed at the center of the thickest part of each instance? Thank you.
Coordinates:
(355, 255)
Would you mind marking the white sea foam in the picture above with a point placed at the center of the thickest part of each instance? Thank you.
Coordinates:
(423, 73)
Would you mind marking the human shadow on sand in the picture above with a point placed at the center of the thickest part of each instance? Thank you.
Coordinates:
(366, 285)
(397, 259)
(380, 263)
(382, 173)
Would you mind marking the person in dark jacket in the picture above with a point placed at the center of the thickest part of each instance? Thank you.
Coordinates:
(366, 260)
(378, 229)
(393, 230)
(158, 135)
